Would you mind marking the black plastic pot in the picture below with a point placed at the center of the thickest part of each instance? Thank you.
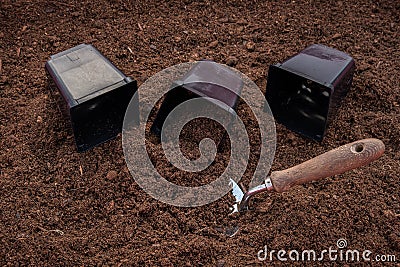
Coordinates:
(305, 91)
(91, 92)
(205, 79)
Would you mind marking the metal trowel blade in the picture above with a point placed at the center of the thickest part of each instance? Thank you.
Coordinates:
(238, 194)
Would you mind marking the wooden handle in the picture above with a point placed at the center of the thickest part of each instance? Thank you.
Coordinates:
(333, 162)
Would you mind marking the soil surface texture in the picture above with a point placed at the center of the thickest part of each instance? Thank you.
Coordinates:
(59, 207)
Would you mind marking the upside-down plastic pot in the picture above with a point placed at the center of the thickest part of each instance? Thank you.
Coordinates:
(305, 91)
(91, 92)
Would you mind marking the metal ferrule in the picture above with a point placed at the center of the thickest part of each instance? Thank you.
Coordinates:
(266, 186)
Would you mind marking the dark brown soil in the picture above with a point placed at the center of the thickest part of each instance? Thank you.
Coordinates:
(59, 207)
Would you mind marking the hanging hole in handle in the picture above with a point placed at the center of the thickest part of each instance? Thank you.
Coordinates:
(357, 148)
